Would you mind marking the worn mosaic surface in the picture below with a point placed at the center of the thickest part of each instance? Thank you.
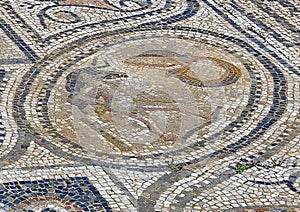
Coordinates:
(149, 105)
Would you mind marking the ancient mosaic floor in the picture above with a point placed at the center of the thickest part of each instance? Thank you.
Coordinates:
(149, 105)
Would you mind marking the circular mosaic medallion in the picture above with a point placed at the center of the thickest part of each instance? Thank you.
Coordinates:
(143, 97)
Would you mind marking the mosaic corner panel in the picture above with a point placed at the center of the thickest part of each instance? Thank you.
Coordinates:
(72, 194)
